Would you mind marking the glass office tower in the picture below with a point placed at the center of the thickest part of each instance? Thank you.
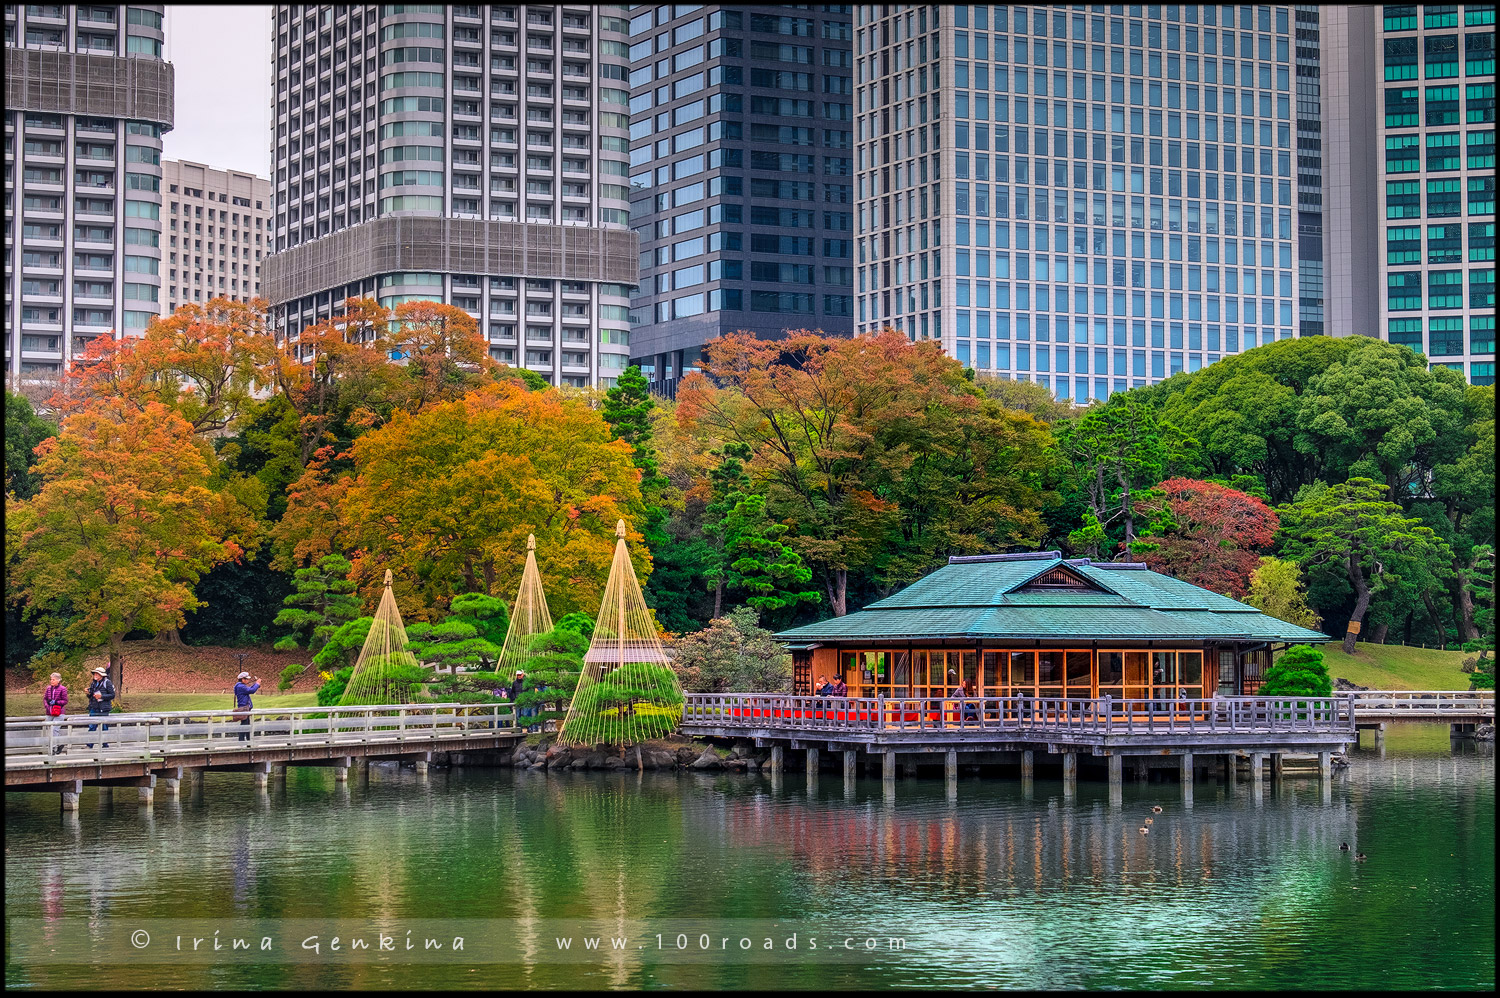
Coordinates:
(741, 176)
(1089, 198)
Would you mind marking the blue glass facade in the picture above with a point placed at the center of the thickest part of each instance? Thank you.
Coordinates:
(1091, 198)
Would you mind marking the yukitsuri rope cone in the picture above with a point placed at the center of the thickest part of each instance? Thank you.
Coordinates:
(529, 618)
(628, 693)
(385, 671)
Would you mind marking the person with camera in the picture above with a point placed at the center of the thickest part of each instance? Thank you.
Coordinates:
(245, 684)
(101, 695)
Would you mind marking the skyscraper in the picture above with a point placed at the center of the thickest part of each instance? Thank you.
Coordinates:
(741, 176)
(1092, 199)
(216, 233)
(1435, 157)
(473, 155)
(87, 97)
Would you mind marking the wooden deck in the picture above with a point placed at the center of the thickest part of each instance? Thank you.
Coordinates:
(1099, 727)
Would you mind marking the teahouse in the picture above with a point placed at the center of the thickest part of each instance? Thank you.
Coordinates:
(1037, 625)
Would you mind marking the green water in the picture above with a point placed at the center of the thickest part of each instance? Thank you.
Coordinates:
(989, 887)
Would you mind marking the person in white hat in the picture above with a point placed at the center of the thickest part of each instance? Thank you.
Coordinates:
(245, 684)
(101, 694)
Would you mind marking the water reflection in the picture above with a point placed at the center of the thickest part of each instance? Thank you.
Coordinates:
(995, 883)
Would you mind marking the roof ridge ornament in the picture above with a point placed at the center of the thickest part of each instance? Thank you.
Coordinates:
(969, 559)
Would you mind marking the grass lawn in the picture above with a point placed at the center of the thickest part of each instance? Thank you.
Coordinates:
(1396, 667)
(138, 703)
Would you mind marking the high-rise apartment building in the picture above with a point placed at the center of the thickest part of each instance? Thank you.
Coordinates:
(1435, 169)
(1090, 198)
(217, 233)
(87, 97)
(741, 176)
(473, 155)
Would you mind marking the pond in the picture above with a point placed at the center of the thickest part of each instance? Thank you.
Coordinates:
(733, 881)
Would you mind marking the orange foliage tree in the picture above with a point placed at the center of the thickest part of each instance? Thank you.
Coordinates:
(1207, 534)
(123, 527)
(202, 361)
(446, 497)
(877, 452)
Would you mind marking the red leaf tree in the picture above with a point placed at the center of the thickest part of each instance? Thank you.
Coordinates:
(1208, 534)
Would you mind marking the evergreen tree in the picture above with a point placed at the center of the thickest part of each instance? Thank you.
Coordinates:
(1298, 672)
(324, 601)
(627, 409)
(758, 562)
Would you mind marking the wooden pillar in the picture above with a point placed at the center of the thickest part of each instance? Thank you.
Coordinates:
(1116, 773)
(1256, 770)
(777, 758)
(888, 771)
(851, 764)
(812, 762)
(1325, 766)
(1276, 766)
(69, 795)
(1186, 761)
(1070, 772)
(1380, 737)
(950, 765)
(1028, 763)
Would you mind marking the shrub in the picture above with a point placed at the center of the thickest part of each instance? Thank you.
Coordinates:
(1298, 672)
(332, 690)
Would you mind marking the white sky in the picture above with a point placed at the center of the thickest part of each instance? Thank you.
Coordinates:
(222, 55)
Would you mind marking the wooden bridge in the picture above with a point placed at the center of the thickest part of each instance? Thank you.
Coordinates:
(61, 755)
(1476, 706)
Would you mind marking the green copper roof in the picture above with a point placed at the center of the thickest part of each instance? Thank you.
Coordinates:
(991, 600)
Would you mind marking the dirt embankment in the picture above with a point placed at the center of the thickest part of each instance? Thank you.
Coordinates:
(153, 667)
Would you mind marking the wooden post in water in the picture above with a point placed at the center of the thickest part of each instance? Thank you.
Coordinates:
(1325, 766)
(1186, 761)
(778, 760)
(1276, 768)
(1028, 762)
(812, 762)
(1116, 780)
(950, 765)
(1070, 773)
(888, 771)
(851, 762)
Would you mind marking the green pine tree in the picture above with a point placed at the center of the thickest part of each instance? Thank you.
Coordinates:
(759, 563)
(324, 601)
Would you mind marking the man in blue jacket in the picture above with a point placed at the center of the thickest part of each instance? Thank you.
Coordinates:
(101, 695)
(245, 684)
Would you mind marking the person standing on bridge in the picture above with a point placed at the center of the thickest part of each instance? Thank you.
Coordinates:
(101, 695)
(245, 684)
(55, 701)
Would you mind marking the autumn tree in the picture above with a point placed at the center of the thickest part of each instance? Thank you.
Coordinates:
(877, 453)
(1206, 534)
(202, 361)
(1351, 532)
(446, 497)
(122, 528)
(733, 654)
(1276, 590)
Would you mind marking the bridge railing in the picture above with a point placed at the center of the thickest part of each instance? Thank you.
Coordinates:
(1425, 703)
(121, 737)
(1047, 715)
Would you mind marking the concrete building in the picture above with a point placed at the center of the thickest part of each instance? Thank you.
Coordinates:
(1093, 199)
(87, 98)
(741, 176)
(473, 155)
(1434, 159)
(217, 233)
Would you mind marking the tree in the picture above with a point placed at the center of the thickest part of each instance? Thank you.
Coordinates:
(554, 668)
(445, 498)
(1276, 590)
(1298, 672)
(1211, 534)
(323, 601)
(627, 410)
(733, 654)
(760, 564)
(24, 429)
(1118, 451)
(878, 453)
(449, 644)
(1350, 530)
(202, 361)
(240, 602)
(122, 529)
(1025, 396)
(488, 615)
(343, 645)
